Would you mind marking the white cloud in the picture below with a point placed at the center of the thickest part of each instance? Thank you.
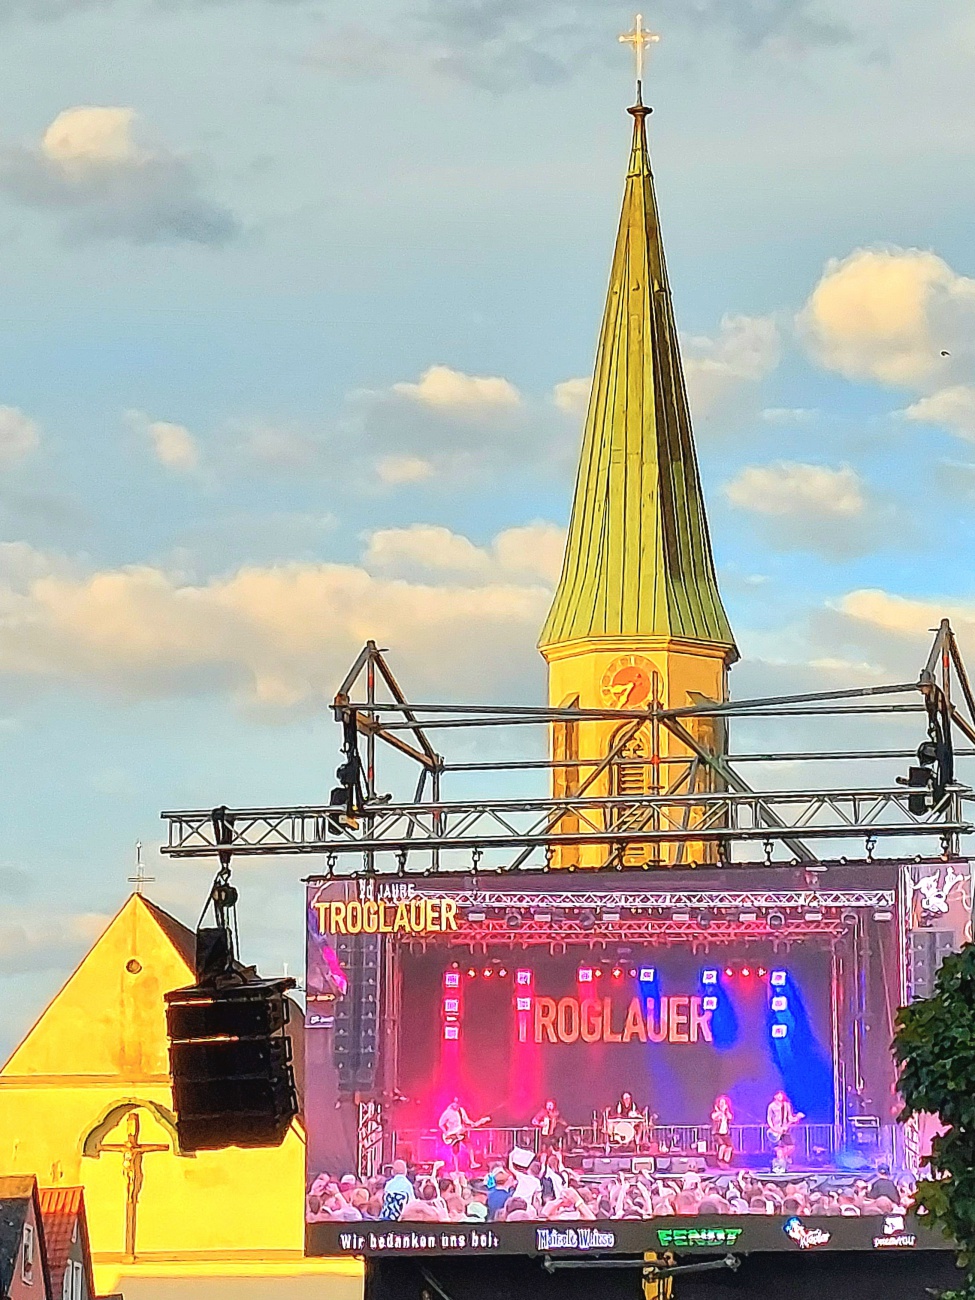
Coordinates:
(528, 553)
(82, 137)
(785, 487)
(952, 408)
(572, 395)
(19, 435)
(442, 388)
(29, 942)
(808, 507)
(723, 373)
(90, 168)
(395, 471)
(280, 636)
(888, 315)
(173, 445)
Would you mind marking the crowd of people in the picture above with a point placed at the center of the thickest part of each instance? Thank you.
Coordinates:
(543, 1189)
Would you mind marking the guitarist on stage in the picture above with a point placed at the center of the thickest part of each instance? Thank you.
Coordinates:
(455, 1130)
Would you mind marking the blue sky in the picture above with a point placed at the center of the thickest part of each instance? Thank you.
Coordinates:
(294, 297)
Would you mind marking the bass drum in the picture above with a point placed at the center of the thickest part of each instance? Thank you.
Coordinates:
(621, 1130)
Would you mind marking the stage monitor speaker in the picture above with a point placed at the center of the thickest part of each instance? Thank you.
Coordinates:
(687, 1165)
(644, 1164)
(230, 1058)
(355, 1037)
(929, 948)
(865, 1132)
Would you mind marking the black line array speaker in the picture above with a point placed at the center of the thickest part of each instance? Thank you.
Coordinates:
(230, 1058)
(929, 948)
(355, 1039)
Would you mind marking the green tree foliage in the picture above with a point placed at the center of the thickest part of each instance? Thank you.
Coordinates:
(935, 1048)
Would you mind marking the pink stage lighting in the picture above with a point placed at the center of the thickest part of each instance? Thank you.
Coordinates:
(617, 973)
(451, 1006)
(585, 975)
(523, 1004)
(452, 1032)
(487, 972)
(777, 978)
(471, 973)
(729, 972)
(451, 979)
(746, 973)
(523, 976)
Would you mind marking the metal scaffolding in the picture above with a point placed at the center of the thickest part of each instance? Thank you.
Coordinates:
(363, 829)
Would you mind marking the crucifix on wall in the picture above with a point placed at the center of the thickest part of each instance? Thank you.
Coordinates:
(133, 1153)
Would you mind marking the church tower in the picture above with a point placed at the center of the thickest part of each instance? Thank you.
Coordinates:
(637, 620)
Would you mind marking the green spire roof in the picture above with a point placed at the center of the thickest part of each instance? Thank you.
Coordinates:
(638, 558)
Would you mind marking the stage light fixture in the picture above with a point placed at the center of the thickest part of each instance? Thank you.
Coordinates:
(610, 915)
(779, 1031)
(502, 972)
(704, 920)
(710, 1004)
(747, 916)
(587, 919)
(746, 972)
(777, 978)
(780, 1003)
(543, 916)
(647, 974)
(849, 918)
(729, 972)
(598, 973)
(762, 972)
(775, 920)
(681, 916)
(523, 1004)
(584, 974)
(617, 973)
(487, 972)
(883, 914)
(813, 914)
(451, 1005)
(477, 917)
(471, 973)
(512, 919)
(523, 976)
(633, 973)
(451, 979)
(451, 1032)
(709, 977)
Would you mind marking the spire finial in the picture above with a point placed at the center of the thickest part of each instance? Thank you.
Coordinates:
(140, 878)
(639, 38)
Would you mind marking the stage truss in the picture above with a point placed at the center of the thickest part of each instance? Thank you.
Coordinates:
(364, 830)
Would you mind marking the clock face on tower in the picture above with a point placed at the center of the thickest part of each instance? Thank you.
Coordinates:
(628, 682)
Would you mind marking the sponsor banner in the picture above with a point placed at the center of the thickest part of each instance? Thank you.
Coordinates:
(739, 1233)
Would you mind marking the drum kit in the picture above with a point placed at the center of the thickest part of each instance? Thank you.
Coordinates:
(627, 1130)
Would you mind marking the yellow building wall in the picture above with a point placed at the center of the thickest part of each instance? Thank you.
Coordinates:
(101, 1044)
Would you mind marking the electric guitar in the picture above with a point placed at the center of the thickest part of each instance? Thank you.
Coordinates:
(455, 1139)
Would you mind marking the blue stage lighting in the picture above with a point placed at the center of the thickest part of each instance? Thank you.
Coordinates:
(779, 1031)
(777, 978)
(709, 1004)
(780, 1004)
(647, 974)
(709, 977)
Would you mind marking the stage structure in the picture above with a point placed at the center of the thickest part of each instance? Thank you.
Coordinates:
(450, 956)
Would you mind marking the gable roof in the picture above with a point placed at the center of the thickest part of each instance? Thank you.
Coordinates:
(18, 1194)
(109, 1017)
(64, 1220)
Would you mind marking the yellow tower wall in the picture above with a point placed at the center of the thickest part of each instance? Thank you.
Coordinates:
(581, 675)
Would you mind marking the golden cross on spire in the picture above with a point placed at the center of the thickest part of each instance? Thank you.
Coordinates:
(639, 37)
